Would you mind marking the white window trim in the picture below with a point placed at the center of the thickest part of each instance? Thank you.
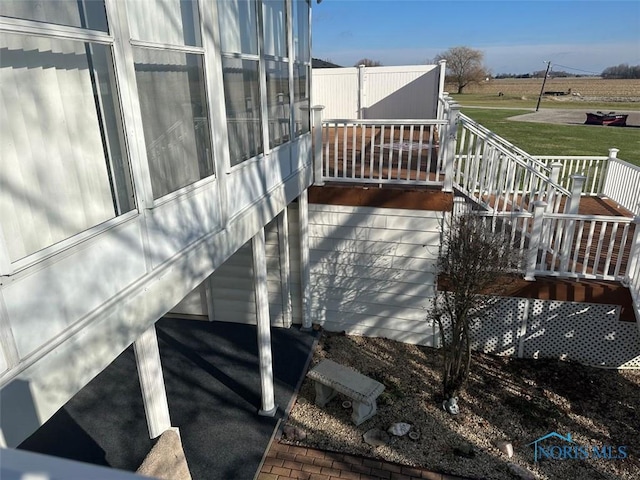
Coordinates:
(29, 27)
(167, 46)
(71, 242)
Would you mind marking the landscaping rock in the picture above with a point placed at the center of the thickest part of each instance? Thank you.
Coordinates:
(505, 447)
(376, 437)
(399, 429)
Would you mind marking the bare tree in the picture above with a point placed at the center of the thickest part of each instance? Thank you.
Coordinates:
(464, 66)
(474, 257)
(367, 62)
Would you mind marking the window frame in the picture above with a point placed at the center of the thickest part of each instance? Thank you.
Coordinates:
(32, 28)
(204, 51)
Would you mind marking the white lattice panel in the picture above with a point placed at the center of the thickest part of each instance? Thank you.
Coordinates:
(496, 330)
(583, 332)
(587, 333)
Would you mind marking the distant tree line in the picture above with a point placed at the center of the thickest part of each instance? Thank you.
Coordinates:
(622, 71)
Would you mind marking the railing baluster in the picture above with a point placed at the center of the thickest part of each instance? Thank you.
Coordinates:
(409, 153)
(390, 162)
(345, 129)
(363, 134)
(596, 259)
(576, 246)
(587, 250)
(401, 142)
(610, 249)
(372, 150)
(353, 150)
(419, 165)
(381, 159)
(623, 246)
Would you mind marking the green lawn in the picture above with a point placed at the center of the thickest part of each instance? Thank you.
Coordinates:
(553, 139)
(514, 101)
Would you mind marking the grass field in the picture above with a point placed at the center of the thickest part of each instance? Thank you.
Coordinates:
(585, 87)
(554, 139)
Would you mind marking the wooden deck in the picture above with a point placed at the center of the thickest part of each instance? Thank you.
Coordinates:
(550, 288)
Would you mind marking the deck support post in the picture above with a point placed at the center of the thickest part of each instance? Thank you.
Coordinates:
(571, 208)
(285, 265)
(154, 395)
(534, 240)
(316, 118)
(305, 274)
(449, 150)
(269, 407)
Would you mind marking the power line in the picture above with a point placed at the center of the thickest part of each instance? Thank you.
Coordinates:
(576, 69)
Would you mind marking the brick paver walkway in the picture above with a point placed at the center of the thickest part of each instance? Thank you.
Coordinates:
(284, 462)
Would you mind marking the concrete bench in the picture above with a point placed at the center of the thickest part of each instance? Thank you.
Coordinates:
(331, 377)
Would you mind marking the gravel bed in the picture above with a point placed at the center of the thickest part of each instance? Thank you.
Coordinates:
(512, 400)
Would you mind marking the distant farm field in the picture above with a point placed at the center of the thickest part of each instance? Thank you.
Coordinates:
(628, 90)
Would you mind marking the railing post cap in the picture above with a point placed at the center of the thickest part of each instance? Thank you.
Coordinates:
(556, 165)
(578, 177)
(613, 152)
(317, 108)
(540, 204)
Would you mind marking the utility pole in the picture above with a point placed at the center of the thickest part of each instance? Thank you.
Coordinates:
(546, 74)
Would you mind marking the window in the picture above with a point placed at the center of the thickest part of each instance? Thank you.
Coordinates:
(301, 66)
(241, 77)
(278, 102)
(301, 74)
(63, 168)
(72, 13)
(242, 100)
(174, 118)
(169, 67)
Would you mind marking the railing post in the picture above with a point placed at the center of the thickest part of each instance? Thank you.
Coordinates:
(317, 144)
(554, 176)
(534, 240)
(604, 175)
(571, 208)
(441, 92)
(449, 150)
(573, 202)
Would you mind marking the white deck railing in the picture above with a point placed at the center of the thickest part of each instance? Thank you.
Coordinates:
(605, 176)
(575, 246)
(622, 184)
(500, 176)
(382, 151)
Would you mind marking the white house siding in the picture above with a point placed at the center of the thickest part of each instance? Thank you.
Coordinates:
(232, 291)
(373, 270)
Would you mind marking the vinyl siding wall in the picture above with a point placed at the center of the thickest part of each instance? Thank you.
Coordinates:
(373, 270)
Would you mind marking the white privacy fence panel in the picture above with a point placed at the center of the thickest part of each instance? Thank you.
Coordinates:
(400, 92)
(377, 92)
(337, 90)
(623, 184)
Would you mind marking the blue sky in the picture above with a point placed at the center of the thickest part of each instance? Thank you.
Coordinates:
(516, 36)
